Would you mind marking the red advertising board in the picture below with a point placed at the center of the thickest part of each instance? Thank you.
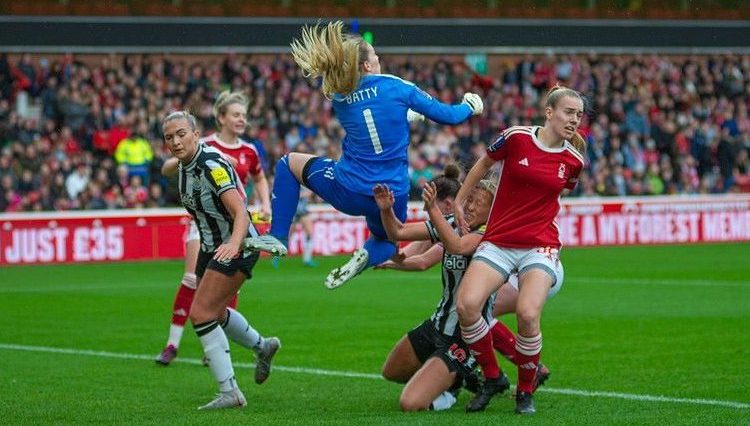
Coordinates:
(657, 220)
(65, 237)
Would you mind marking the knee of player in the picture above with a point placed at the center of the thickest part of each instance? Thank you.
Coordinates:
(528, 315)
(467, 309)
(409, 402)
(388, 373)
(199, 314)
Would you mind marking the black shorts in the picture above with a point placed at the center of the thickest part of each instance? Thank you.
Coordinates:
(428, 342)
(244, 263)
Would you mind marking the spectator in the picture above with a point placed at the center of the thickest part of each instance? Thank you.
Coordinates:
(77, 181)
(135, 152)
(642, 108)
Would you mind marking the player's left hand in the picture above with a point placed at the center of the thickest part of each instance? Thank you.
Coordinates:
(412, 116)
(474, 102)
(226, 252)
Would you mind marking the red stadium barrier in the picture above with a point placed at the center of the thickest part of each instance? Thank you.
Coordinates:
(124, 235)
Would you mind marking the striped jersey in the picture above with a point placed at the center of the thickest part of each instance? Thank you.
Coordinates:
(532, 178)
(201, 183)
(445, 317)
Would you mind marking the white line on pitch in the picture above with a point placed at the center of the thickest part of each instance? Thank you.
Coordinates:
(573, 279)
(321, 372)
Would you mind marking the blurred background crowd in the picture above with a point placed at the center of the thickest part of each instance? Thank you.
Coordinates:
(83, 133)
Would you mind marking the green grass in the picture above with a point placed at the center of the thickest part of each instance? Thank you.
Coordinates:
(645, 321)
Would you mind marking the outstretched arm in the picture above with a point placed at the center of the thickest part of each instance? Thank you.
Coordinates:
(396, 230)
(418, 262)
(442, 113)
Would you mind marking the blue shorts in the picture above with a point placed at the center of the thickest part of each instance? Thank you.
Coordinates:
(318, 175)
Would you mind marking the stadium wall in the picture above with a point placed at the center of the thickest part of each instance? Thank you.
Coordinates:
(132, 235)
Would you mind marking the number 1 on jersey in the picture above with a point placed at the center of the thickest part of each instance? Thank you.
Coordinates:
(373, 131)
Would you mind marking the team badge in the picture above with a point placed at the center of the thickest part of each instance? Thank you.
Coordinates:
(561, 171)
(188, 201)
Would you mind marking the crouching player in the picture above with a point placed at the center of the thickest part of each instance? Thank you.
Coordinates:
(432, 359)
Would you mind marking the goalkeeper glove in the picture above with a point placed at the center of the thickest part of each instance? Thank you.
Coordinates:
(474, 102)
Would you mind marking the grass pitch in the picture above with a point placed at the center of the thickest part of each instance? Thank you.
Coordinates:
(637, 335)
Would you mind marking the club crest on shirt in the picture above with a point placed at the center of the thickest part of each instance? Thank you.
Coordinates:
(188, 201)
(220, 176)
(561, 171)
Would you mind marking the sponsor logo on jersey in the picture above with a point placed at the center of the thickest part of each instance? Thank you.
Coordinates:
(524, 162)
(220, 176)
(455, 263)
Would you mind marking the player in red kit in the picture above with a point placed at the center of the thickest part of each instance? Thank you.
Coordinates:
(230, 110)
(538, 164)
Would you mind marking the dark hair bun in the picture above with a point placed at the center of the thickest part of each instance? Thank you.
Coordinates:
(452, 171)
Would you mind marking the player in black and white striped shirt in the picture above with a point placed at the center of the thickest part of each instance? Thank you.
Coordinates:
(432, 357)
(211, 193)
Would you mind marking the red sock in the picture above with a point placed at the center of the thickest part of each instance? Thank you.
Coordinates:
(503, 340)
(233, 303)
(479, 339)
(527, 359)
(182, 302)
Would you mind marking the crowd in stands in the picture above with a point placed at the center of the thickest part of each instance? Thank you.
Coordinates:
(86, 135)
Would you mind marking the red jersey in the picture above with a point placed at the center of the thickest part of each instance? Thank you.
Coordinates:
(532, 177)
(248, 160)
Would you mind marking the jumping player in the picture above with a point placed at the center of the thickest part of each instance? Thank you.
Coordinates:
(372, 108)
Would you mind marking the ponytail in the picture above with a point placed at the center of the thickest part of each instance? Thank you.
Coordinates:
(579, 143)
(329, 53)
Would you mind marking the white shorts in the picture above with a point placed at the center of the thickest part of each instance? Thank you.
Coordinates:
(513, 262)
(513, 282)
(193, 233)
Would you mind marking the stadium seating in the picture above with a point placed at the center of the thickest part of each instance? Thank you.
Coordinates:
(640, 142)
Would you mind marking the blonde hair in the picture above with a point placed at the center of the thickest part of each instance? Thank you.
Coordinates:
(553, 97)
(488, 185)
(225, 99)
(329, 53)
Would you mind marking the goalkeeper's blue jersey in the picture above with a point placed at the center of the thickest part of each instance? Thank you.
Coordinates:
(375, 148)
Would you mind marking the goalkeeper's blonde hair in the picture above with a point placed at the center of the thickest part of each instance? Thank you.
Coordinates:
(327, 52)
